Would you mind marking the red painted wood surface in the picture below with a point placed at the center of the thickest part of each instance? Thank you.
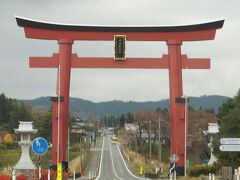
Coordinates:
(65, 51)
(129, 63)
(131, 36)
(176, 109)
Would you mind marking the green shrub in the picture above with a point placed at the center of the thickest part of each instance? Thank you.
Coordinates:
(203, 169)
(2, 153)
(12, 157)
(13, 145)
(75, 147)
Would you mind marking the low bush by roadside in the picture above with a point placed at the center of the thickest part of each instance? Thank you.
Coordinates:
(203, 169)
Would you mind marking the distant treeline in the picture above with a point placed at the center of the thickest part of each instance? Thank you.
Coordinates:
(80, 107)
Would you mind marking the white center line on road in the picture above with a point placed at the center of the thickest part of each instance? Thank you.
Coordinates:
(127, 166)
(110, 148)
(100, 168)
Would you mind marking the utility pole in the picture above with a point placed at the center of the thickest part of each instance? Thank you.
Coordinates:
(80, 151)
(112, 122)
(135, 129)
(159, 145)
(150, 141)
(107, 121)
(186, 119)
(125, 118)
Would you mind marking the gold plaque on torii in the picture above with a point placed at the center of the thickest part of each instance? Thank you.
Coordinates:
(119, 47)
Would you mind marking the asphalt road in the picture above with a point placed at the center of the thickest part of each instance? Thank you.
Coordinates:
(112, 164)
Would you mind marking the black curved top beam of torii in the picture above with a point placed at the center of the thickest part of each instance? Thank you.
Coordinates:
(83, 28)
(55, 31)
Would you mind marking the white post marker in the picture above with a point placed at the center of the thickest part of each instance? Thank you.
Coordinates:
(90, 174)
(175, 175)
(210, 176)
(39, 172)
(49, 175)
(13, 175)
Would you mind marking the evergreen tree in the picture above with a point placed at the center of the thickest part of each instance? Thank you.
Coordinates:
(229, 127)
(22, 113)
(42, 121)
(11, 113)
(7, 107)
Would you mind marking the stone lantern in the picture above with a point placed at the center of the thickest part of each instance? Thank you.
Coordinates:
(211, 132)
(25, 130)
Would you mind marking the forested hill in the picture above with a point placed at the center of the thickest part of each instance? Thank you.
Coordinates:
(81, 107)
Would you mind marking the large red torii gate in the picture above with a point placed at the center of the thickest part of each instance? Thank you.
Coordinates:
(65, 60)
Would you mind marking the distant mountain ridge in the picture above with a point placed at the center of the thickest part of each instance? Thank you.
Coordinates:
(81, 107)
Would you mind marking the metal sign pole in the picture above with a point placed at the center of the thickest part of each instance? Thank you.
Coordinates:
(39, 167)
(39, 147)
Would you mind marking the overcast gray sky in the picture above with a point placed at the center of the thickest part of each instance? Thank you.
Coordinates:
(19, 81)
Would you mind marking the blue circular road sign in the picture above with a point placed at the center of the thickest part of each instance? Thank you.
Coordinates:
(39, 146)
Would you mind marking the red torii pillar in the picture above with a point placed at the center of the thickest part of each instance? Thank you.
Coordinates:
(60, 110)
(65, 60)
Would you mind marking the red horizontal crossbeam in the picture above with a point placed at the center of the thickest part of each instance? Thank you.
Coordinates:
(131, 36)
(131, 63)
(195, 63)
(46, 62)
(148, 63)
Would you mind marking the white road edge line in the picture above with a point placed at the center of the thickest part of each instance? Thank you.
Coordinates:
(100, 168)
(113, 163)
(127, 166)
